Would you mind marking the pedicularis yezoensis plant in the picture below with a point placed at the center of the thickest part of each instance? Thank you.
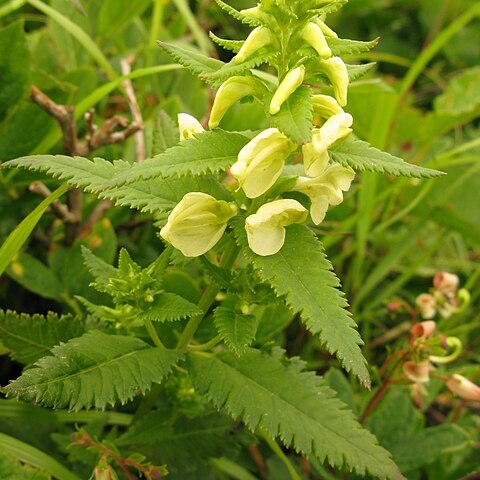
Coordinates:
(236, 209)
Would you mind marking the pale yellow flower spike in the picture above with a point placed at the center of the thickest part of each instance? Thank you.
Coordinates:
(293, 79)
(337, 72)
(266, 228)
(261, 162)
(259, 37)
(315, 37)
(230, 92)
(197, 223)
(315, 154)
(188, 126)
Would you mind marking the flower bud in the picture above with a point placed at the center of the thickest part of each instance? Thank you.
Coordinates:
(188, 126)
(197, 223)
(325, 106)
(337, 72)
(266, 228)
(259, 37)
(261, 161)
(423, 329)
(418, 372)
(327, 31)
(315, 154)
(446, 283)
(230, 92)
(325, 190)
(315, 37)
(256, 13)
(426, 304)
(293, 79)
(464, 388)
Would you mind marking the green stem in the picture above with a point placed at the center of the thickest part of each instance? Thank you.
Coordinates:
(208, 345)
(280, 454)
(157, 20)
(207, 299)
(153, 333)
(11, 7)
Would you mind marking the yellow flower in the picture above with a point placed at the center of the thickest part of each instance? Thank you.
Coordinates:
(325, 106)
(327, 31)
(326, 189)
(337, 72)
(229, 93)
(197, 223)
(315, 37)
(259, 37)
(315, 154)
(293, 79)
(261, 162)
(188, 126)
(266, 228)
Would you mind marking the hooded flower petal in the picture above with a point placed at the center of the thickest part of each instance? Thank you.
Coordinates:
(418, 372)
(315, 155)
(188, 126)
(266, 228)
(464, 388)
(293, 79)
(325, 106)
(197, 223)
(326, 189)
(327, 31)
(261, 161)
(259, 37)
(230, 92)
(446, 283)
(337, 72)
(314, 36)
(427, 305)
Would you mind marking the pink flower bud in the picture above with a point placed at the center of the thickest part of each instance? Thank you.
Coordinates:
(464, 388)
(423, 329)
(418, 372)
(446, 283)
(426, 305)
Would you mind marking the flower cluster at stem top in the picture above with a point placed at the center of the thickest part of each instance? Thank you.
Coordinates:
(298, 35)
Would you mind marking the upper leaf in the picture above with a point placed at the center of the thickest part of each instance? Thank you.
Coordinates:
(210, 152)
(237, 330)
(269, 392)
(302, 273)
(30, 337)
(343, 46)
(238, 15)
(295, 116)
(93, 370)
(169, 307)
(360, 155)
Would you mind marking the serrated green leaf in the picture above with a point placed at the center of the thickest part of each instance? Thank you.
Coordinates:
(165, 133)
(295, 117)
(301, 272)
(269, 392)
(343, 46)
(220, 276)
(210, 152)
(358, 71)
(98, 268)
(333, 6)
(169, 307)
(157, 195)
(237, 330)
(361, 156)
(253, 22)
(94, 370)
(232, 45)
(233, 69)
(462, 94)
(195, 62)
(30, 337)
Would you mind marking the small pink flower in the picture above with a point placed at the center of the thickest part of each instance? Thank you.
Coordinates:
(446, 283)
(418, 372)
(426, 305)
(464, 388)
(423, 329)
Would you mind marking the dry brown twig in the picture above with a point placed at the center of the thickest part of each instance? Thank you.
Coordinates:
(95, 138)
